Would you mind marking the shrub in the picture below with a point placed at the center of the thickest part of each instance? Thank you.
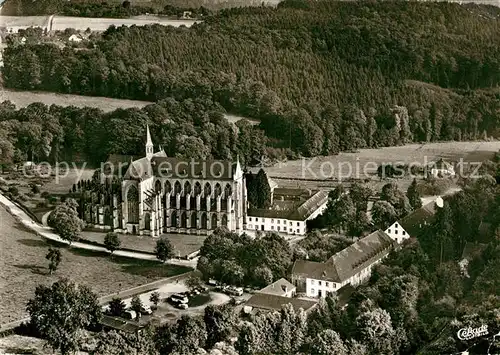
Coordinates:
(44, 194)
(13, 190)
(22, 197)
(42, 204)
(35, 188)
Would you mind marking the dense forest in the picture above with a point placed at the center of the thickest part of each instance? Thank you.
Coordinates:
(322, 77)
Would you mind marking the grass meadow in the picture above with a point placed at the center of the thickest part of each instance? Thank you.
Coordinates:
(24, 266)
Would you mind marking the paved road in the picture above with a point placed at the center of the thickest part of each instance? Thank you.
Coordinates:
(47, 233)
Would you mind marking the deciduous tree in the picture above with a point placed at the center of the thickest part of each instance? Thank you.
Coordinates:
(193, 282)
(328, 342)
(413, 195)
(154, 298)
(65, 220)
(116, 307)
(164, 249)
(112, 241)
(136, 305)
(383, 214)
(60, 312)
(219, 323)
(54, 258)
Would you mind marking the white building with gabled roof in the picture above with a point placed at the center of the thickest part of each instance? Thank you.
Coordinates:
(351, 266)
(412, 225)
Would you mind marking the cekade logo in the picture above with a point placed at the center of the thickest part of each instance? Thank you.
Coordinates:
(471, 333)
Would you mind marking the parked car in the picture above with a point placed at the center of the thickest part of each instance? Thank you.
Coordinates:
(202, 289)
(237, 301)
(146, 310)
(178, 298)
(182, 306)
(212, 282)
(234, 291)
(130, 314)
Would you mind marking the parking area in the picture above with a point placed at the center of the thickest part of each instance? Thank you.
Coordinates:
(169, 311)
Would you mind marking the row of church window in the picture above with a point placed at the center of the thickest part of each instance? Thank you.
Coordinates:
(207, 189)
(184, 221)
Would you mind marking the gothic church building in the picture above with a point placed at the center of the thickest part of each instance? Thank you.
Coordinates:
(169, 195)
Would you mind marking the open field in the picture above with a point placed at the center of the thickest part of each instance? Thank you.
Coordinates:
(328, 172)
(365, 162)
(17, 344)
(24, 266)
(60, 23)
(24, 98)
(24, 21)
(101, 24)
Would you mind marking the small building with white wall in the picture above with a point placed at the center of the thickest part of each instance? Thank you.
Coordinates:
(289, 213)
(412, 225)
(75, 38)
(282, 287)
(441, 169)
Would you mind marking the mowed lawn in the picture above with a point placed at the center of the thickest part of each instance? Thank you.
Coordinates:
(23, 266)
(184, 244)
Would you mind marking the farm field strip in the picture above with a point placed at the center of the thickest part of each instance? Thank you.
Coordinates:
(353, 165)
(25, 98)
(54, 23)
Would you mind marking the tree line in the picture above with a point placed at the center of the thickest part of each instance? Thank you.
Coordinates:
(322, 78)
(94, 9)
(191, 128)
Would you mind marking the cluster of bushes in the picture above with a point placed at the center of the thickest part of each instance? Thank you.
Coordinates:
(240, 260)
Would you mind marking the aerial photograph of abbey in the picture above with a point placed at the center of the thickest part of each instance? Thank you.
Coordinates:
(241, 177)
